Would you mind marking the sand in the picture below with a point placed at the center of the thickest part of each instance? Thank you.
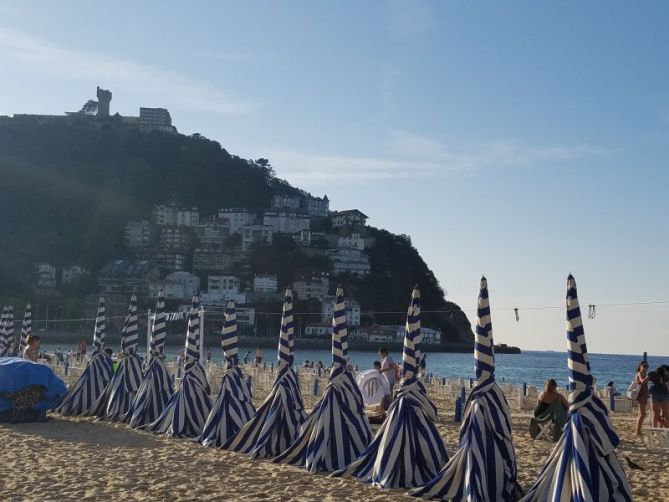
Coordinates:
(72, 459)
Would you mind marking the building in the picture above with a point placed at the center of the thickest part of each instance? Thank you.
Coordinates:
(175, 237)
(292, 202)
(265, 283)
(212, 260)
(314, 288)
(167, 259)
(138, 234)
(125, 277)
(237, 218)
(286, 222)
(376, 333)
(213, 233)
(221, 299)
(318, 330)
(246, 316)
(223, 284)
(171, 214)
(317, 207)
(73, 273)
(352, 311)
(104, 100)
(351, 261)
(302, 238)
(256, 234)
(158, 119)
(353, 241)
(176, 286)
(427, 335)
(351, 219)
(45, 275)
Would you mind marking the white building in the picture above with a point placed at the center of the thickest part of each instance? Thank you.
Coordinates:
(316, 288)
(351, 218)
(318, 329)
(221, 299)
(71, 274)
(256, 234)
(427, 335)
(223, 284)
(354, 241)
(188, 217)
(286, 222)
(302, 238)
(170, 214)
(137, 234)
(45, 275)
(176, 286)
(175, 237)
(237, 218)
(213, 233)
(352, 311)
(317, 206)
(352, 261)
(286, 202)
(265, 283)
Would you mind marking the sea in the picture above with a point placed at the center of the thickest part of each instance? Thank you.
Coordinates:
(530, 367)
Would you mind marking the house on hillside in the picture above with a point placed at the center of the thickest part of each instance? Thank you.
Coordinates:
(125, 277)
(351, 219)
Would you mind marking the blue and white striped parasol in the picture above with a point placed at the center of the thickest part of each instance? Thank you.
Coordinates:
(277, 422)
(583, 465)
(484, 467)
(186, 412)
(7, 332)
(336, 431)
(233, 406)
(114, 404)
(82, 395)
(156, 388)
(407, 450)
(26, 329)
(4, 343)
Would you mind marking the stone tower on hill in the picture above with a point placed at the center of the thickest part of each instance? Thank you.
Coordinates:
(104, 98)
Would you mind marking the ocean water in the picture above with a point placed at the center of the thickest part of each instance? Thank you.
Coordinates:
(531, 367)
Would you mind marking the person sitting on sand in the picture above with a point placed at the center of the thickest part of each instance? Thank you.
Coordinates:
(549, 396)
(31, 352)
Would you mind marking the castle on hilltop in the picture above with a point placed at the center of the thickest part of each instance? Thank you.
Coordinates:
(149, 119)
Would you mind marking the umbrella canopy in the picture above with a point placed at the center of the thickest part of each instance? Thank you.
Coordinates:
(186, 412)
(408, 427)
(94, 379)
(156, 388)
(26, 328)
(233, 406)
(484, 467)
(277, 422)
(115, 402)
(8, 332)
(336, 431)
(4, 343)
(583, 464)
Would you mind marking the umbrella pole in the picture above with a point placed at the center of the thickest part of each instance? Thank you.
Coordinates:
(148, 334)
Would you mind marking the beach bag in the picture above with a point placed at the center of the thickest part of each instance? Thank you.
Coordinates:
(633, 390)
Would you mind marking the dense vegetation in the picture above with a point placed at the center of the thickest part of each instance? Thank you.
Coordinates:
(68, 188)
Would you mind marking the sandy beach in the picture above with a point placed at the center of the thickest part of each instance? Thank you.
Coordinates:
(68, 459)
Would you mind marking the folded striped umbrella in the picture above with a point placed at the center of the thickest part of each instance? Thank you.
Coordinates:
(114, 404)
(4, 343)
(186, 412)
(233, 406)
(82, 395)
(484, 467)
(276, 424)
(583, 465)
(156, 388)
(26, 329)
(7, 332)
(407, 450)
(336, 431)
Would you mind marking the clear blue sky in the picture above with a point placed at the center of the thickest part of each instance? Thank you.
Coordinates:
(522, 140)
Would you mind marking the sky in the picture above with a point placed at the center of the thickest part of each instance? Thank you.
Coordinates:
(522, 140)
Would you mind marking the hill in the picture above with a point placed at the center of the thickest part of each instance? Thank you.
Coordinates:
(69, 187)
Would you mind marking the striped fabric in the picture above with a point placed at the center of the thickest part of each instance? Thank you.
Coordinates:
(277, 422)
(484, 467)
(98, 373)
(583, 466)
(26, 328)
(7, 332)
(114, 404)
(186, 412)
(407, 450)
(233, 406)
(336, 431)
(4, 343)
(156, 388)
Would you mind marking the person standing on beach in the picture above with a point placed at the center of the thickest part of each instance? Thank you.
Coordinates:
(388, 368)
(641, 379)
